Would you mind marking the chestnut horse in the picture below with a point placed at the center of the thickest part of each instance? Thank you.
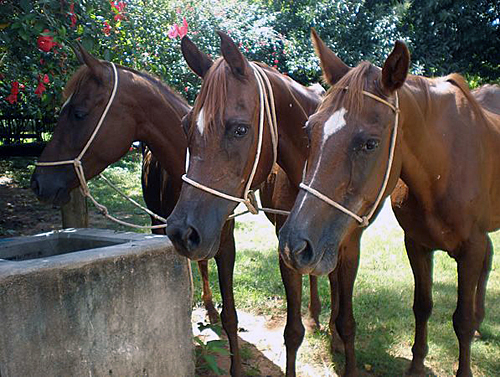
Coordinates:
(144, 109)
(432, 145)
(231, 149)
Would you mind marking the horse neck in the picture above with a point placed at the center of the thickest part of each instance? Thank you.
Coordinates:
(294, 104)
(158, 121)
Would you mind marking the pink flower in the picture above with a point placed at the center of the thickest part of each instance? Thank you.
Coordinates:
(45, 42)
(172, 33)
(176, 31)
(183, 30)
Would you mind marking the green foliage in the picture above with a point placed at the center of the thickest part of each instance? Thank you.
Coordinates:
(36, 38)
(137, 36)
(461, 36)
(206, 353)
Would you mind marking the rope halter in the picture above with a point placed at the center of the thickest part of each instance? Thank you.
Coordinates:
(267, 108)
(77, 164)
(365, 220)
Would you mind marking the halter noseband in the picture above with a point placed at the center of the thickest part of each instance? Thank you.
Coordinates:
(266, 100)
(365, 220)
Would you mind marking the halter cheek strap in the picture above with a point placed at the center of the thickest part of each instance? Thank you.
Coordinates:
(365, 220)
(267, 109)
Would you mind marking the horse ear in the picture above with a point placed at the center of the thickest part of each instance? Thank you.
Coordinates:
(76, 51)
(396, 68)
(199, 62)
(232, 55)
(333, 68)
(94, 64)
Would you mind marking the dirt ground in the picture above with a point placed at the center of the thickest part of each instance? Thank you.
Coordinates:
(261, 337)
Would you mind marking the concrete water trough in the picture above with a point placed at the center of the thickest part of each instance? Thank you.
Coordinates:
(89, 302)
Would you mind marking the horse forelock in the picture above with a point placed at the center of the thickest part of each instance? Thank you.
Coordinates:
(212, 97)
(356, 81)
(74, 82)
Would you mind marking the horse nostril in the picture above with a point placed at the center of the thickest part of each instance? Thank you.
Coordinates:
(191, 238)
(303, 252)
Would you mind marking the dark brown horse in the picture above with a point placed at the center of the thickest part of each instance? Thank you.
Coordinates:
(223, 133)
(144, 109)
(443, 178)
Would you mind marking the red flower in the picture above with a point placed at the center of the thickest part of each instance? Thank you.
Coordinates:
(40, 89)
(118, 6)
(46, 79)
(15, 88)
(12, 98)
(45, 42)
(186, 89)
(14, 91)
(107, 28)
(72, 15)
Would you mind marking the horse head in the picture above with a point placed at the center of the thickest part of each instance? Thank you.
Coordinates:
(352, 137)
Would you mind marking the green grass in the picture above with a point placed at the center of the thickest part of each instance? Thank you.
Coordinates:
(383, 299)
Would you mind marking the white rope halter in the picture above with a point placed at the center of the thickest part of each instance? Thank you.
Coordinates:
(365, 220)
(77, 164)
(267, 108)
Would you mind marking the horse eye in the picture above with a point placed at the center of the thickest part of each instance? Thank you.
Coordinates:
(240, 130)
(370, 145)
(80, 114)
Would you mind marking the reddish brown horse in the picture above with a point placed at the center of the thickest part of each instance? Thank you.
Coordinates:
(225, 128)
(430, 143)
(144, 109)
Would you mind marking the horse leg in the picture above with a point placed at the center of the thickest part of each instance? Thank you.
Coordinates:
(225, 267)
(294, 330)
(206, 295)
(345, 323)
(314, 304)
(481, 285)
(470, 260)
(336, 344)
(421, 261)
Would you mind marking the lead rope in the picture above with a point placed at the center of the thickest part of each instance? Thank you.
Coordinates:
(267, 108)
(77, 164)
(365, 220)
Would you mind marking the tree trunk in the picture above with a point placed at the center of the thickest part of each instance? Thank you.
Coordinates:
(75, 213)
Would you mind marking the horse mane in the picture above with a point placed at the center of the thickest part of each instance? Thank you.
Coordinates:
(459, 81)
(355, 80)
(213, 95)
(83, 73)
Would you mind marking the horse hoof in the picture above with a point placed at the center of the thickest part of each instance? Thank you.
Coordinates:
(312, 325)
(213, 315)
